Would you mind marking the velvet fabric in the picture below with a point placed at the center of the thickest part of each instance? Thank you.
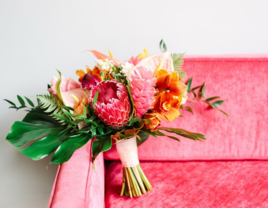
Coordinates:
(77, 185)
(226, 184)
(242, 81)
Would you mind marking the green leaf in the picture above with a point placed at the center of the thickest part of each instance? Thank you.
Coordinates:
(184, 133)
(224, 113)
(133, 120)
(178, 61)
(57, 86)
(51, 105)
(100, 130)
(188, 108)
(101, 144)
(212, 98)
(38, 116)
(67, 108)
(43, 147)
(65, 151)
(95, 98)
(21, 132)
(29, 101)
(143, 137)
(21, 100)
(11, 103)
(162, 46)
(175, 138)
(203, 90)
(79, 117)
(182, 74)
(61, 117)
(93, 131)
(194, 88)
(217, 103)
(189, 83)
(159, 133)
(149, 132)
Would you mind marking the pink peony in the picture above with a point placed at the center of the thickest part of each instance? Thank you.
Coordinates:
(134, 60)
(142, 87)
(66, 85)
(113, 105)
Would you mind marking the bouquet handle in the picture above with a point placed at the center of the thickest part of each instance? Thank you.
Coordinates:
(135, 182)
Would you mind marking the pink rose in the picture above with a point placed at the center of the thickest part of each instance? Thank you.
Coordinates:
(66, 85)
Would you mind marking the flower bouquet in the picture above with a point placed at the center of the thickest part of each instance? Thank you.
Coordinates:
(120, 103)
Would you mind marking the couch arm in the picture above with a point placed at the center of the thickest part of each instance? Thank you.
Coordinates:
(77, 184)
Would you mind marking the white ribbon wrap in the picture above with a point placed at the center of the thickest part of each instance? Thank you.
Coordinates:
(128, 152)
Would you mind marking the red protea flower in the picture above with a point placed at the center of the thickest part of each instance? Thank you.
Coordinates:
(113, 105)
(89, 81)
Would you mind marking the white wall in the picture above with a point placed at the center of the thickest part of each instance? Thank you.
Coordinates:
(37, 36)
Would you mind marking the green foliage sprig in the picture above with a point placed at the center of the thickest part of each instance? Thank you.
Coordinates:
(199, 95)
(51, 105)
(22, 103)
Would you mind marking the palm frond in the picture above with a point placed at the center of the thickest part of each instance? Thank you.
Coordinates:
(51, 104)
(177, 60)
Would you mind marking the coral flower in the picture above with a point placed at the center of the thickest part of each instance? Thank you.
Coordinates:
(134, 60)
(142, 87)
(154, 121)
(65, 86)
(169, 82)
(167, 106)
(113, 105)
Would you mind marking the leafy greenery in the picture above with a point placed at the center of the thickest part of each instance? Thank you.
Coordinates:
(177, 60)
(184, 133)
(52, 106)
(22, 103)
(199, 95)
(162, 46)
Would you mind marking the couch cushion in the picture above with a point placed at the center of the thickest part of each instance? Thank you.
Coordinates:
(77, 185)
(242, 82)
(238, 184)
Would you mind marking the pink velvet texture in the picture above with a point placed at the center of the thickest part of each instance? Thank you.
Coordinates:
(242, 81)
(230, 184)
(77, 185)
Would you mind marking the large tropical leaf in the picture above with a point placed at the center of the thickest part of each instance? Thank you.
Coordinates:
(101, 144)
(37, 125)
(44, 146)
(65, 151)
(22, 132)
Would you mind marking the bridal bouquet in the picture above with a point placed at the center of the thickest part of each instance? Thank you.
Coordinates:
(120, 103)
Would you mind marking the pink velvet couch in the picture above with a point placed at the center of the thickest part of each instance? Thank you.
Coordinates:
(229, 169)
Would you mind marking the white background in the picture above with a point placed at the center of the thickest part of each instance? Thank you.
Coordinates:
(37, 36)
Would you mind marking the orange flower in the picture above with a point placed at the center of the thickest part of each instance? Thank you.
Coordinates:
(97, 72)
(79, 107)
(167, 106)
(169, 82)
(154, 121)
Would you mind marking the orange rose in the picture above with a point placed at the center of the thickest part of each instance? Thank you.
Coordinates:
(167, 106)
(169, 82)
(154, 121)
